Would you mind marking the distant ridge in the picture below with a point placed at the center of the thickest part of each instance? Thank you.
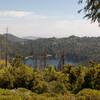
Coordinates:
(13, 38)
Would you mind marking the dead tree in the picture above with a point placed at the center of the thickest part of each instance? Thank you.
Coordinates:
(36, 59)
(44, 58)
(6, 48)
(40, 63)
(62, 61)
(1, 49)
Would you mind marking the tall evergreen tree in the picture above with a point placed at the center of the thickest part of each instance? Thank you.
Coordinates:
(92, 9)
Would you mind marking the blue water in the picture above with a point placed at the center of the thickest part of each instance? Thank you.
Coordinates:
(54, 62)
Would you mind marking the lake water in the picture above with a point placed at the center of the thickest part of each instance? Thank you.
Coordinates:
(54, 62)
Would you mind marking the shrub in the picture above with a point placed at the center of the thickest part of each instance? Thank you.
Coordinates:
(88, 94)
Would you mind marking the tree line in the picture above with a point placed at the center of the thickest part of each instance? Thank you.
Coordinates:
(76, 49)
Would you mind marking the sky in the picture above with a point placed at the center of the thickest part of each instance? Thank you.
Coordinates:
(45, 18)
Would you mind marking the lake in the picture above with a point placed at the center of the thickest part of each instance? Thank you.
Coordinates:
(54, 62)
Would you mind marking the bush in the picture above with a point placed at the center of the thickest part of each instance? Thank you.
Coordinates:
(25, 94)
(6, 78)
(6, 94)
(88, 94)
(23, 77)
(2, 64)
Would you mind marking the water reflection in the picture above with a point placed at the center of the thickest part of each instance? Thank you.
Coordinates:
(54, 62)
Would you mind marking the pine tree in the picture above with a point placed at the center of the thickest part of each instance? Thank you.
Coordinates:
(17, 61)
(92, 9)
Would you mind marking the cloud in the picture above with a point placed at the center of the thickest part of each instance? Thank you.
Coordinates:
(77, 27)
(21, 14)
(18, 14)
(50, 28)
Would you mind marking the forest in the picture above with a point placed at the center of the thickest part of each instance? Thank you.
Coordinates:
(76, 49)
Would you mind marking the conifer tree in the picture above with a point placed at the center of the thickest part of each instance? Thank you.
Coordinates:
(17, 61)
(92, 9)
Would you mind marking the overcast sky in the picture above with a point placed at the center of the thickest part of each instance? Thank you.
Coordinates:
(45, 18)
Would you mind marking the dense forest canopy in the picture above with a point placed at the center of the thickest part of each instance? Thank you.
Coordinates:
(77, 49)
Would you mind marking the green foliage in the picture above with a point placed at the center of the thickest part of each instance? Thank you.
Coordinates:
(2, 64)
(67, 68)
(23, 76)
(92, 63)
(77, 49)
(89, 78)
(17, 61)
(28, 83)
(92, 8)
(88, 94)
(49, 74)
(24, 94)
(6, 78)
(40, 87)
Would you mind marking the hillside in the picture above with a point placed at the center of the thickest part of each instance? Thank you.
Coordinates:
(13, 38)
(76, 49)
